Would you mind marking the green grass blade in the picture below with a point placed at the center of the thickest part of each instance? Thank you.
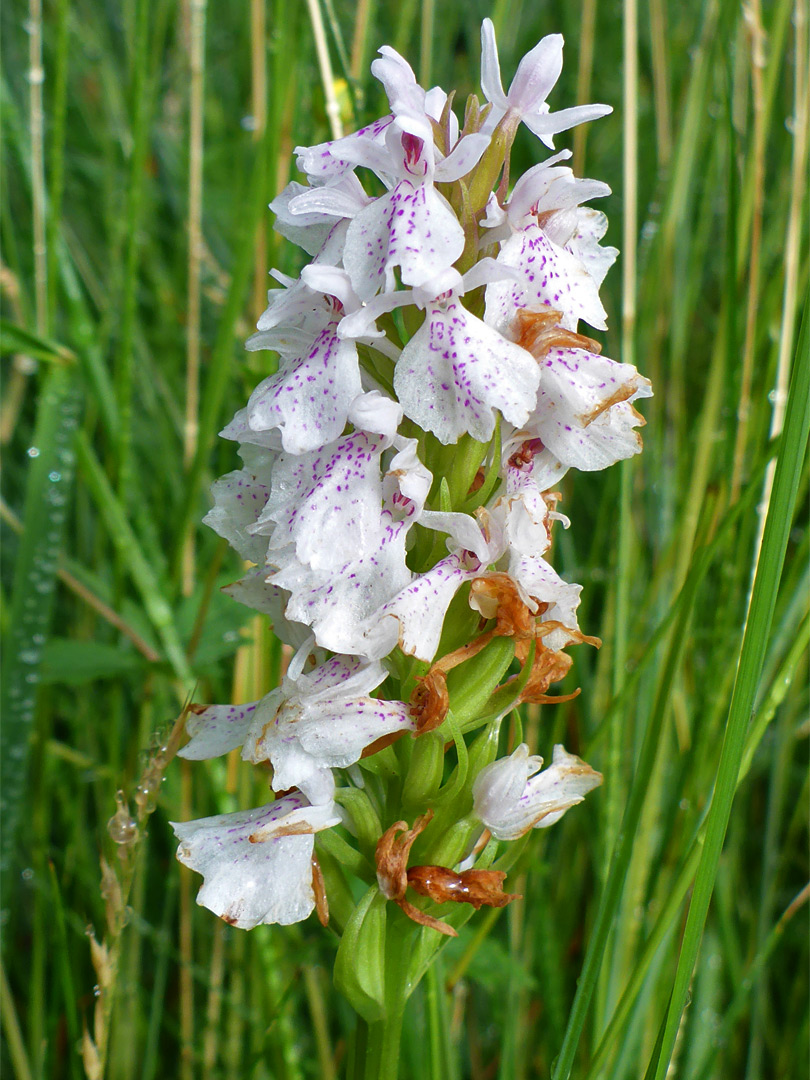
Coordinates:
(129, 550)
(48, 486)
(752, 656)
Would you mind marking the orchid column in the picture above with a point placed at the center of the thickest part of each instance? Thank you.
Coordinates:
(396, 502)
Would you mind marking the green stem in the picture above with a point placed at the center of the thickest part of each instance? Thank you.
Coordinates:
(382, 1049)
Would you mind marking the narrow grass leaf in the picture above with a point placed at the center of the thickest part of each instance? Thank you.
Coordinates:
(752, 656)
(48, 489)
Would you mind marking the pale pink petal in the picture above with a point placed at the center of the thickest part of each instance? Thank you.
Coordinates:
(536, 76)
(307, 230)
(255, 591)
(464, 156)
(341, 200)
(490, 68)
(405, 96)
(544, 125)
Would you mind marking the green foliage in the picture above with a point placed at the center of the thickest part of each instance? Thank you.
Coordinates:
(695, 707)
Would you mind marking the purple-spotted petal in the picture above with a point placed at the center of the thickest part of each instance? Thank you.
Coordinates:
(239, 498)
(419, 609)
(308, 399)
(455, 371)
(257, 864)
(551, 278)
(590, 227)
(341, 603)
(324, 163)
(412, 227)
(217, 729)
(307, 737)
(327, 503)
(577, 389)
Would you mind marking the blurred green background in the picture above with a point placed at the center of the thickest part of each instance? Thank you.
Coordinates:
(142, 141)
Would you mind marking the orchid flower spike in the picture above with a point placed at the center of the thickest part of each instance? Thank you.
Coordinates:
(425, 388)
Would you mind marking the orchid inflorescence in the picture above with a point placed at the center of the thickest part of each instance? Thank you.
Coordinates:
(396, 503)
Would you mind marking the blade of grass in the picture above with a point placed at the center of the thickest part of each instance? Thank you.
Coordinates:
(48, 487)
(124, 362)
(56, 145)
(11, 1026)
(667, 919)
(191, 426)
(222, 353)
(129, 550)
(36, 119)
(752, 655)
(625, 840)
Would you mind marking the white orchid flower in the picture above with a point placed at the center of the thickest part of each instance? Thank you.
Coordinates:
(512, 795)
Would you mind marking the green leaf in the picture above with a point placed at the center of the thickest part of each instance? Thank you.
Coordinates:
(360, 961)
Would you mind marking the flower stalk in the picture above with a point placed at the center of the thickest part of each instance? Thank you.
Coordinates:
(397, 504)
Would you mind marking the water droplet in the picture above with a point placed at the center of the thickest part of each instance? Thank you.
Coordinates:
(97, 990)
(32, 451)
(27, 874)
(248, 123)
(54, 477)
(122, 827)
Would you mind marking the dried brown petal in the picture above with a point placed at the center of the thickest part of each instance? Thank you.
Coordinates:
(478, 482)
(319, 889)
(548, 667)
(381, 743)
(498, 597)
(426, 920)
(538, 331)
(391, 855)
(430, 702)
(476, 887)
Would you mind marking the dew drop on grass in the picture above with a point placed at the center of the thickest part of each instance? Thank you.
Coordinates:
(122, 827)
